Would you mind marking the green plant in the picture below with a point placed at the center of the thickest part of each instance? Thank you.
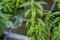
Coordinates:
(11, 6)
(37, 31)
(4, 21)
(53, 21)
(38, 23)
(4, 18)
(56, 30)
(56, 21)
(41, 30)
(8, 7)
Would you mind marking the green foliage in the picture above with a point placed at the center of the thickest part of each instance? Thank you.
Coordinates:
(8, 7)
(56, 30)
(53, 20)
(4, 18)
(37, 31)
(4, 21)
(58, 3)
(11, 6)
(41, 30)
(38, 28)
(2, 28)
(5, 5)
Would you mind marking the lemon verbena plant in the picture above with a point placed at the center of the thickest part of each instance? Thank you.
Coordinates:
(35, 25)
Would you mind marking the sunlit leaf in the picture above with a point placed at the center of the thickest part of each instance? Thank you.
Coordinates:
(27, 12)
(25, 4)
(39, 5)
(41, 22)
(40, 12)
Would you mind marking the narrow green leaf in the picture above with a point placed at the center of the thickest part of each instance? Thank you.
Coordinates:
(17, 3)
(27, 24)
(40, 12)
(55, 13)
(57, 19)
(8, 7)
(3, 16)
(25, 4)
(39, 5)
(41, 22)
(33, 9)
(41, 2)
(27, 12)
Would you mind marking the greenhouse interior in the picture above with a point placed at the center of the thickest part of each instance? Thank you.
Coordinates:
(29, 19)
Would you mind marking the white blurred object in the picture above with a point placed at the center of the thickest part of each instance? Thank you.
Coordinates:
(16, 36)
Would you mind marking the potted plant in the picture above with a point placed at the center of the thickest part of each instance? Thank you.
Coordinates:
(40, 25)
